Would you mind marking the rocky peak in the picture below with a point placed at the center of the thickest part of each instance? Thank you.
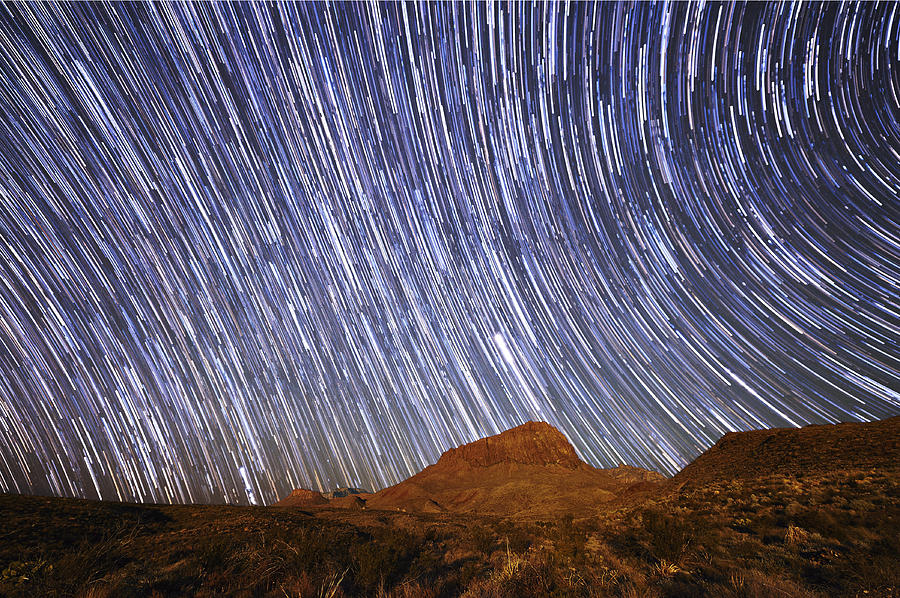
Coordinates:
(304, 494)
(532, 443)
(302, 497)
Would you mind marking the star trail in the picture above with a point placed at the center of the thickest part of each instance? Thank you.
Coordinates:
(251, 247)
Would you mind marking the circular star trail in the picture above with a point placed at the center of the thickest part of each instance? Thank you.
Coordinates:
(252, 247)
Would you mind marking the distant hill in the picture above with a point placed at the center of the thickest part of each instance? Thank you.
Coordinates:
(807, 451)
(302, 497)
(351, 498)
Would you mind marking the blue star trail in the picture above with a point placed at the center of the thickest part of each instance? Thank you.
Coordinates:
(251, 247)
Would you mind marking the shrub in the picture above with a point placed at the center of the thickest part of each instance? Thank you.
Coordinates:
(670, 535)
(795, 535)
(570, 540)
(382, 560)
(515, 537)
(823, 522)
(483, 539)
(22, 572)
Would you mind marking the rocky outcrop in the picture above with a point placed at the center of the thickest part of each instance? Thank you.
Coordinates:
(529, 471)
(342, 498)
(301, 497)
(532, 443)
(345, 491)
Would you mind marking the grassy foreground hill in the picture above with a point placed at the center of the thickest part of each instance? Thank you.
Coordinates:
(743, 520)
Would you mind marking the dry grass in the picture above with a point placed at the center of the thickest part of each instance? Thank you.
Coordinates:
(832, 535)
(795, 536)
(331, 585)
(665, 569)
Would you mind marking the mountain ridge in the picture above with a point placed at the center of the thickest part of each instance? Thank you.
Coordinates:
(531, 469)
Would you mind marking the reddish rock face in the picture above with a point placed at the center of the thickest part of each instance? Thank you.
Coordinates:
(301, 497)
(352, 501)
(532, 443)
(304, 494)
(529, 471)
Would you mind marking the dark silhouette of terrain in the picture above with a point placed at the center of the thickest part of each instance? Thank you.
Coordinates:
(795, 512)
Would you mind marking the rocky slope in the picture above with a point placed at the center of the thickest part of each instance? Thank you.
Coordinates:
(532, 443)
(348, 498)
(344, 492)
(301, 497)
(806, 451)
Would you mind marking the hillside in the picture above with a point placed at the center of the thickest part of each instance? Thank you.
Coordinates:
(807, 451)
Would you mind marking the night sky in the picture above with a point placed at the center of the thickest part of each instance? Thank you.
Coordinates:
(247, 248)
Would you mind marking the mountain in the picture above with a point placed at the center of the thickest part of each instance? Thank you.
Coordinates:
(808, 451)
(530, 470)
(301, 497)
(350, 498)
(343, 492)
(532, 443)
(533, 471)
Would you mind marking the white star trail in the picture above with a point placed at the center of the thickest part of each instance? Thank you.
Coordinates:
(252, 247)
